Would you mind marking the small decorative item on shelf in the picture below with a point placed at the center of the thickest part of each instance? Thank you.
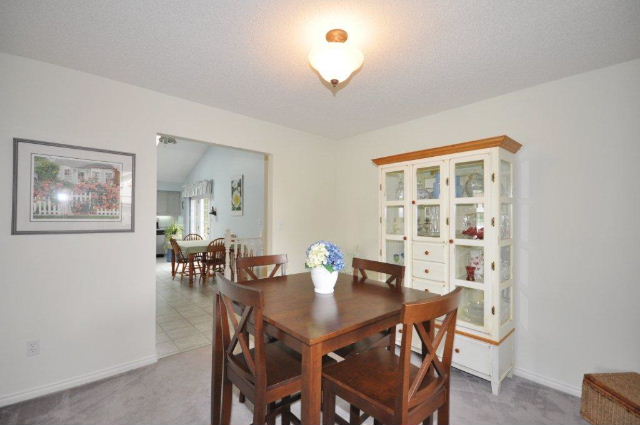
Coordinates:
(474, 232)
(473, 186)
(325, 260)
(476, 259)
(471, 273)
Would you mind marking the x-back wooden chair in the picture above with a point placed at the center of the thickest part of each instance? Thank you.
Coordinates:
(396, 277)
(267, 375)
(390, 388)
(245, 266)
(395, 271)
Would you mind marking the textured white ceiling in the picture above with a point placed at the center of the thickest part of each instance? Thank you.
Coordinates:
(175, 162)
(250, 56)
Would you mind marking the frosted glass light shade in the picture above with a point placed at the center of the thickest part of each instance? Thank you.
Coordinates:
(335, 61)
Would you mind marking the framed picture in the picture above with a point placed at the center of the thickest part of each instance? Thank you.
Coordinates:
(71, 189)
(237, 195)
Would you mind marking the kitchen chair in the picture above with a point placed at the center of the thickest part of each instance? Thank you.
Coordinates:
(390, 388)
(396, 276)
(193, 237)
(214, 257)
(183, 260)
(266, 374)
(245, 266)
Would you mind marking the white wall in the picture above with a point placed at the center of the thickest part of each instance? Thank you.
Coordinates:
(221, 164)
(90, 299)
(578, 200)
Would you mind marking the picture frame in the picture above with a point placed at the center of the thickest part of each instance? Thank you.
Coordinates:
(59, 188)
(237, 195)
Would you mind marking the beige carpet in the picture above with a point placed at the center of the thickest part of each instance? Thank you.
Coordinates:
(176, 390)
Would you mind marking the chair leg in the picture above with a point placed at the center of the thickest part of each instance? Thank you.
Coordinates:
(241, 398)
(328, 408)
(259, 412)
(286, 414)
(271, 420)
(392, 339)
(428, 421)
(354, 415)
(227, 397)
(443, 414)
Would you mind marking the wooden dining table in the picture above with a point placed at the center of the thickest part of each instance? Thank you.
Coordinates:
(190, 249)
(315, 325)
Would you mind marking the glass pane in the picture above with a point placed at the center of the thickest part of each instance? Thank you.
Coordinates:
(469, 263)
(395, 220)
(505, 305)
(472, 306)
(394, 185)
(470, 179)
(505, 179)
(470, 221)
(395, 252)
(428, 183)
(428, 223)
(505, 221)
(505, 263)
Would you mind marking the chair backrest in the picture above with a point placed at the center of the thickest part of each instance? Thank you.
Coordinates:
(245, 266)
(395, 271)
(415, 389)
(248, 303)
(177, 250)
(193, 237)
(215, 250)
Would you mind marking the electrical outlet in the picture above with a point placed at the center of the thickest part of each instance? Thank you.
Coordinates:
(33, 348)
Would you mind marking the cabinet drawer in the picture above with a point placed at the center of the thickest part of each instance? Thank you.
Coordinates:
(429, 270)
(427, 285)
(429, 251)
(472, 354)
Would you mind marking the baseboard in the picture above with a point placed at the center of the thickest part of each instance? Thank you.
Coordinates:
(548, 382)
(76, 381)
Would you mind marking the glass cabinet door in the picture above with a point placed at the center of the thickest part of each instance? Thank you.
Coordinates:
(394, 214)
(429, 200)
(470, 198)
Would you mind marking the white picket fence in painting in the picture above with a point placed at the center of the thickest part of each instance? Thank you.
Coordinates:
(49, 208)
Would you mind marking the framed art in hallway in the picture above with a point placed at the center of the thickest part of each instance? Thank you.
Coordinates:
(61, 188)
(237, 195)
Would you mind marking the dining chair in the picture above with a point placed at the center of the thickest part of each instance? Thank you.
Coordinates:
(245, 272)
(389, 387)
(183, 260)
(396, 277)
(192, 237)
(245, 266)
(214, 258)
(266, 374)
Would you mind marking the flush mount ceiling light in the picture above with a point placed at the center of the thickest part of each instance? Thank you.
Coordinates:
(336, 60)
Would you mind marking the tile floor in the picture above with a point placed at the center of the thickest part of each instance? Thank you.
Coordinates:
(183, 313)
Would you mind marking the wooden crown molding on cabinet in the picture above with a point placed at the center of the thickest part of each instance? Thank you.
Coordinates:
(503, 141)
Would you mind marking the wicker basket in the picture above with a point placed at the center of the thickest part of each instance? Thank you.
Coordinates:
(611, 398)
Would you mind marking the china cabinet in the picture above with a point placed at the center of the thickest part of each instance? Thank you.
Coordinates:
(446, 214)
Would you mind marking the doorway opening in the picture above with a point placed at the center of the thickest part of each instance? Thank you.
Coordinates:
(207, 196)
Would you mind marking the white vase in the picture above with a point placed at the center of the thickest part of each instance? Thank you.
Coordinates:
(323, 280)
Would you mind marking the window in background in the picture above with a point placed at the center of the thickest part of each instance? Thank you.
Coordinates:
(199, 216)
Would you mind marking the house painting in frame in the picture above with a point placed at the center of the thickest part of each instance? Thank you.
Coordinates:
(71, 189)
